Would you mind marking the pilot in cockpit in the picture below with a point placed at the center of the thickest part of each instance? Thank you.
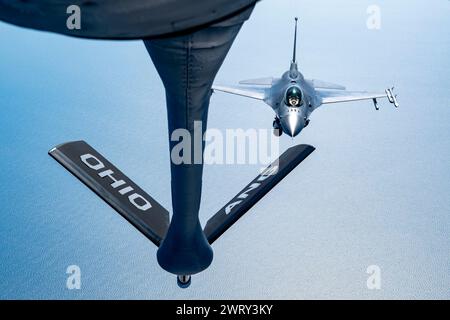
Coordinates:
(293, 97)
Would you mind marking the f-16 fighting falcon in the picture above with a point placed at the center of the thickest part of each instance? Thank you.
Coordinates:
(294, 98)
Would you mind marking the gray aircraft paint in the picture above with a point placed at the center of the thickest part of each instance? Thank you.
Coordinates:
(314, 93)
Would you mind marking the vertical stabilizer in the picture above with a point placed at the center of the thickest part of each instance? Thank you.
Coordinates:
(294, 68)
(294, 57)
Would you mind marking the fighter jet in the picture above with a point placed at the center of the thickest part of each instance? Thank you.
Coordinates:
(293, 98)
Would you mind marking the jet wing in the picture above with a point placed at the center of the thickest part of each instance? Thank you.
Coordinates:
(319, 84)
(253, 92)
(331, 96)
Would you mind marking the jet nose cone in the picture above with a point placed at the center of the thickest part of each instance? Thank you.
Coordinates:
(292, 124)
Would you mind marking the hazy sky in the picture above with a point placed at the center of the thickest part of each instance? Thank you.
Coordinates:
(375, 192)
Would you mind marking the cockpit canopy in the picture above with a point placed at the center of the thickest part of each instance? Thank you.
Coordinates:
(294, 97)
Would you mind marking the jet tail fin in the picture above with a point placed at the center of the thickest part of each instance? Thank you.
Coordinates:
(114, 187)
(294, 56)
(255, 191)
(293, 70)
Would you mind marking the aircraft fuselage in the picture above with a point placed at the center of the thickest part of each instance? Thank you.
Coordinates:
(293, 99)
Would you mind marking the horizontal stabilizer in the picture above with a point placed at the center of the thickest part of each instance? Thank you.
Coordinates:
(119, 191)
(319, 84)
(255, 191)
(258, 82)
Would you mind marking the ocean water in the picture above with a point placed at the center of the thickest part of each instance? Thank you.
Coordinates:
(375, 192)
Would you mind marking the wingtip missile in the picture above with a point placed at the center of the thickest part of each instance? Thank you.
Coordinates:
(392, 97)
